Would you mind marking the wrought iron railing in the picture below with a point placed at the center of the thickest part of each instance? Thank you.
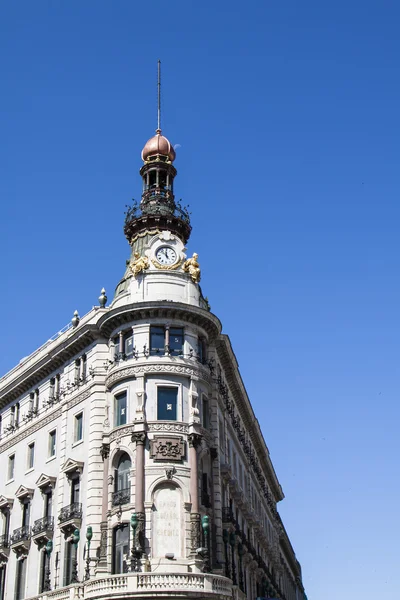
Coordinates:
(227, 515)
(43, 524)
(72, 511)
(152, 207)
(22, 533)
(121, 497)
(166, 351)
(4, 541)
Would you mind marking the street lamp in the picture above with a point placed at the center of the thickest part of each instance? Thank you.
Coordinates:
(48, 549)
(135, 553)
(89, 535)
(205, 523)
(75, 540)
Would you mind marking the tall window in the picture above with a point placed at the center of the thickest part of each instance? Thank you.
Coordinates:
(128, 344)
(120, 409)
(122, 486)
(48, 504)
(11, 467)
(167, 402)
(121, 549)
(68, 550)
(157, 340)
(205, 413)
(17, 414)
(176, 341)
(78, 427)
(2, 581)
(75, 490)
(52, 443)
(20, 579)
(31, 455)
(26, 511)
(43, 570)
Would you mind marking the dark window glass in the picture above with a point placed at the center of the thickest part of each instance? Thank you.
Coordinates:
(20, 579)
(206, 409)
(52, 443)
(120, 409)
(157, 340)
(68, 550)
(43, 569)
(26, 509)
(176, 340)
(75, 490)
(48, 504)
(121, 549)
(167, 400)
(78, 427)
(122, 473)
(31, 455)
(11, 466)
(128, 344)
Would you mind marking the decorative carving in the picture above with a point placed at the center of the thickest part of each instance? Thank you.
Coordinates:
(139, 438)
(194, 440)
(103, 541)
(105, 451)
(127, 372)
(167, 267)
(139, 264)
(169, 473)
(195, 533)
(192, 267)
(170, 427)
(167, 448)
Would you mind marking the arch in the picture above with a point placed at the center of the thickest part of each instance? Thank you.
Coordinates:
(116, 454)
(122, 473)
(177, 481)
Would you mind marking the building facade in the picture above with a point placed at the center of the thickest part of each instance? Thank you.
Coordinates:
(132, 464)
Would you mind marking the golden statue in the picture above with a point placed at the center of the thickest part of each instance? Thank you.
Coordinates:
(139, 264)
(192, 267)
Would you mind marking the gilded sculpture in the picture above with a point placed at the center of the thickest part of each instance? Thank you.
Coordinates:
(192, 267)
(139, 264)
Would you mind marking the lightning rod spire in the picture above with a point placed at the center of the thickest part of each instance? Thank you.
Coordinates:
(159, 95)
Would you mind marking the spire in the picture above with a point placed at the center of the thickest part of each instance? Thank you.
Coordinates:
(158, 96)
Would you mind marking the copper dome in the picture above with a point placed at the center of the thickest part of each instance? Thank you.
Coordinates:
(158, 145)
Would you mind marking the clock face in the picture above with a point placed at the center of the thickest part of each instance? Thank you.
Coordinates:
(166, 255)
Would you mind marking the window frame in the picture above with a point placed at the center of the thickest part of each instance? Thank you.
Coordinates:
(122, 526)
(31, 456)
(11, 471)
(118, 395)
(178, 387)
(52, 447)
(78, 428)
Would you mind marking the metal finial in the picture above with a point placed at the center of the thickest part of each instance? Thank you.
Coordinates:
(159, 95)
(102, 298)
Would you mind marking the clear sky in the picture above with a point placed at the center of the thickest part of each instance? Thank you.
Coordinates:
(287, 114)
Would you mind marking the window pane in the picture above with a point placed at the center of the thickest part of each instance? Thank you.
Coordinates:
(123, 471)
(11, 463)
(176, 340)
(31, 455)
(52, 443)
(128, 344)
(167, 400)
(78, 427)
(157, 340)
(120, 409)
(121, 549)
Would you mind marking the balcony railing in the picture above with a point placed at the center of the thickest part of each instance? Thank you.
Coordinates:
(72, 511)
(4, 541)
(44, 524)
(20, 534)
(121, 497)
(227, 515)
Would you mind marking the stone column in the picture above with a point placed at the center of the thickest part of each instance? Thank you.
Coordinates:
(102, 564)
(194, 442)
(140, 439)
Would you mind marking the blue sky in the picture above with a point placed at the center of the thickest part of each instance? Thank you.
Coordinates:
(288, 118)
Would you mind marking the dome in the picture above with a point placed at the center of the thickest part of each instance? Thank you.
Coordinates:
(158, 145)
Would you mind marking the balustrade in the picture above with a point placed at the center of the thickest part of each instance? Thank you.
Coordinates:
(72, 511)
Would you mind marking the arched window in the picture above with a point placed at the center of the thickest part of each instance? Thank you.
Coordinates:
(122, 485)
(121, 550)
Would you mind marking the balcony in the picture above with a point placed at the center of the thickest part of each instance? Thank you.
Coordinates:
(21, 539)
(121, 497)
(42, 530)
(70, 518)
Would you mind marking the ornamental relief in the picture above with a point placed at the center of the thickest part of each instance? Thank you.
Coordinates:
(170, 427)
(126, 372)
(167, 448)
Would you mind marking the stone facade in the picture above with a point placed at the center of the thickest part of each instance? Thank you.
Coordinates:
(134, 422)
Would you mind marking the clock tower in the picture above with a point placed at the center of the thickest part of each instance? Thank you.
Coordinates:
(157, 230)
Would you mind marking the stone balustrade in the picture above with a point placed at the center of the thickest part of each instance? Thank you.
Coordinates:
(131, 585)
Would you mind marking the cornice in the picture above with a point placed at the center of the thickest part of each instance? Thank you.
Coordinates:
(239, 393)
(138, 370)
(142, 311)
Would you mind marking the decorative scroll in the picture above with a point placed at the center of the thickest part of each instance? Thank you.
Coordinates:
(167, 448)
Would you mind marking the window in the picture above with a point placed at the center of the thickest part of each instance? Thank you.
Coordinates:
(44, 565)
(128, 344)
(17, 414)
(84, 367)
(48, 504)
(75, 490)
(36, 404)
(201, 350)
(120, 409)
(122, 485)
(52, 443)
(176, 341)
(11, 466)
(26, 511)
(157, 340)
(31, 455)
(20, 579)
(68, 550)
(167, 400)
(78, 427)
(205, 413)
(121, 549)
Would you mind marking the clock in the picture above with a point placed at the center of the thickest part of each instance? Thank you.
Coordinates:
(166, 255)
